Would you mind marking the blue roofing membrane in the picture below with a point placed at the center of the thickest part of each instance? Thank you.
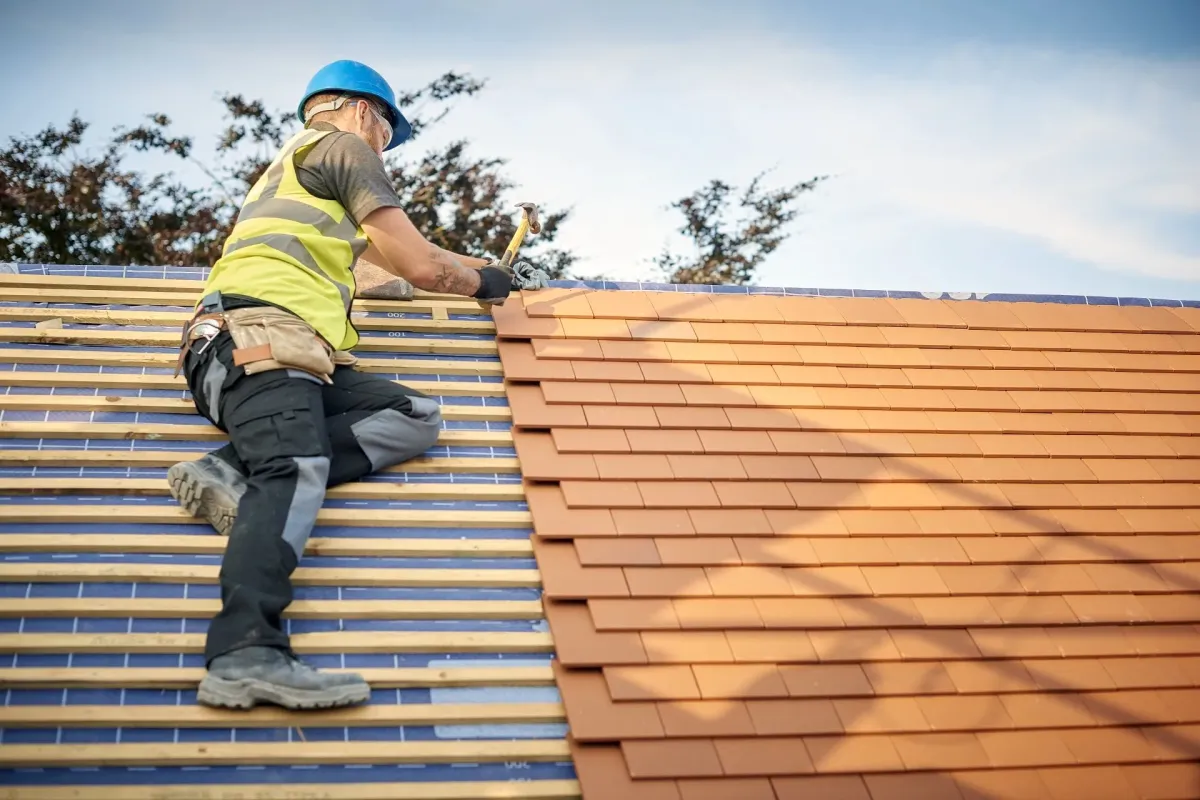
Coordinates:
(118, 589)
(198, 273)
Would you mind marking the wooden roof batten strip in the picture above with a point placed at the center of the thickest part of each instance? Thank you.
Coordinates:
(453, 340)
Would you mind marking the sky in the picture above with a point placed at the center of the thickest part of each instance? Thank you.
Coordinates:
(973, 146)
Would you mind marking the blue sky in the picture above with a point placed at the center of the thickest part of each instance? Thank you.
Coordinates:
(977, 146)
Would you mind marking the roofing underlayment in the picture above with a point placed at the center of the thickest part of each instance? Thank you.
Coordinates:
(787, 546)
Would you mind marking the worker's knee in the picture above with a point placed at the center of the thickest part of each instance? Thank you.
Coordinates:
(392, 436)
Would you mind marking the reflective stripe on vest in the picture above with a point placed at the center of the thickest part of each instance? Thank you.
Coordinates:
(283, 227)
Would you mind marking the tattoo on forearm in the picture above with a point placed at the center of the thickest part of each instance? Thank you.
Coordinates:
(451, 276)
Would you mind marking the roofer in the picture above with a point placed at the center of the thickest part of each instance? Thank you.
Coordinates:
(267, 360)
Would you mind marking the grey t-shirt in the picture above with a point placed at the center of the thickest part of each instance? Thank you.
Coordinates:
(344, 168)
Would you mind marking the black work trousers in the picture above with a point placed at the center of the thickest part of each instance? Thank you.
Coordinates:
(292, 436)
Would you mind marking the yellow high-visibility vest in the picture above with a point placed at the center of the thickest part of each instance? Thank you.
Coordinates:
(293, 249)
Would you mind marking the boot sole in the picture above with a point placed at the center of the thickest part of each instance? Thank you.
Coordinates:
(248, 692)
(201, 497)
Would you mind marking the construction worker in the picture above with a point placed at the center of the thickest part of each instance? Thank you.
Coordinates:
(266, 359)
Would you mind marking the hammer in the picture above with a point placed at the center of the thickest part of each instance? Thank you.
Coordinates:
(529, 224)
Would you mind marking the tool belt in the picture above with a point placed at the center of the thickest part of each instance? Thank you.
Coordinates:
(265, 338)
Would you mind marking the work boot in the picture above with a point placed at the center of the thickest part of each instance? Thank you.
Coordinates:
(244, 677)
(209, 488)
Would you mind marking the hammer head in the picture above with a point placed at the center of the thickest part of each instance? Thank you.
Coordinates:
(531, 213)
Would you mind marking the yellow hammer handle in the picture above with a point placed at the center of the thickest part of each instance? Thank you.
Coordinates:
(513, 245)
(515, 242)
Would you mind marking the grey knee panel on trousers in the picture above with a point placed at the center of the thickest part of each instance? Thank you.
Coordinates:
(214, 379)
(390, 437)
(313, 472)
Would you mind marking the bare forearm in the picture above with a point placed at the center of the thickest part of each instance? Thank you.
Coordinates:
(405, 252)
(448, 274)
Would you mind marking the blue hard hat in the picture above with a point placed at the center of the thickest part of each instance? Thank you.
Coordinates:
(352, 77)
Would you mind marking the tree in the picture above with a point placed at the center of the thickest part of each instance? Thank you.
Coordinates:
(732, 234)
(61, 204)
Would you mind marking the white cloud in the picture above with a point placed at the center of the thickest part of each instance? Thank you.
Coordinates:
(979, 168)
(1078, 154)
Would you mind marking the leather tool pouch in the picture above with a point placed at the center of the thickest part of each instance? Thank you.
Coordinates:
(267, 339)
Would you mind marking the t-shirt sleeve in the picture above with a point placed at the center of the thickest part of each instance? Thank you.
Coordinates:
(344, 168)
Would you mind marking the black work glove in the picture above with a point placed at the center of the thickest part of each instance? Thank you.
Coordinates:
(495, 284)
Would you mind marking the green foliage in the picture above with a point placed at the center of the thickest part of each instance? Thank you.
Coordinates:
(732, 235)
(61, 204)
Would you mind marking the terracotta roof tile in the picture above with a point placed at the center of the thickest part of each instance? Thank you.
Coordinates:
(941, 751)
(563, 577)
(956, 611)
(632, 615)
(616, 552)
(908, 678)
(739, 522)
(853, 754)
(529, 409)
(793, 717)
(798, 612)
(1162, 781)
(663, 331)
(720, 396)
(709, 467)
(678, 494)
(686, 647)
(770, 646)
(667, 582)
(576, 642)
(671, 758)
(652, 522)
(587, 440)
(827, 787)
(764, 756)
(774, 550)
(1029, 610)
(878, 612)
(568, 391)
(601, 494)
(1068, 782)
(712, 789)
(690, 718)
(651, 683)
(698, 552)
(926, 786)
(702, 613)
(736, 442)
(815, 310)
(553, 518)
(606, 371)
(754, 494)
(648, 394)
(805, 523)
(962, 539)
(881, 715)
(719, 681)
(586, 697)
(632, 467)
(595, 328)
(692, 418)
(1046, 710)
(790, 334)
(748, 581)
(540, 460)
(726, 332)
(602, 769)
